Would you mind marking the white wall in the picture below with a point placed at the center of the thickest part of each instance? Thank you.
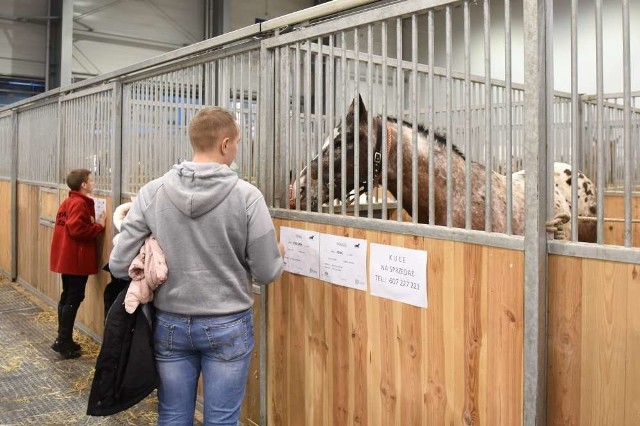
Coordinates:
(612, 42)
(612, 51)
(22, 44)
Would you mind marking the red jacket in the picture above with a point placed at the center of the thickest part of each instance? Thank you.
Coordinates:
(74, 249)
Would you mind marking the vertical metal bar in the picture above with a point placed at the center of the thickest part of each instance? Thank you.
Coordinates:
(262, 355)
(285, 70)
(343, 151)
(600, 167)
(307, 115)
(384, 120)
(414, 118)
(575, 118)
(243, 118)
(282, 183)
(296, 117)
(467, 117)
(15, 158)
(628, 147)
(331, 115)
(319, 127)
(265, 109)
(265, 129)
(487, 117)
(370, 82)
(431, 44)
(356, 123)
(449, 42)
(116, 146)
(535, 245)
(509, 114)
(400, 108)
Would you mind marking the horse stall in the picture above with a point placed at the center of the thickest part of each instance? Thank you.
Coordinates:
(435, 129)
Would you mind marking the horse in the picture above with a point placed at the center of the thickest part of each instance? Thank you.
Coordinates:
(307, 191)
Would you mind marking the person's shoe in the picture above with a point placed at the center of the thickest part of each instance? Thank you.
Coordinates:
(69, 354)
(66, 350)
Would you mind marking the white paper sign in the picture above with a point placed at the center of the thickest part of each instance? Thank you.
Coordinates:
(343, 261)
(100, 205)
(398, 273)
(302, 251)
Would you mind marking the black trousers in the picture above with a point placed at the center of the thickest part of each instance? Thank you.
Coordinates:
(73, 287)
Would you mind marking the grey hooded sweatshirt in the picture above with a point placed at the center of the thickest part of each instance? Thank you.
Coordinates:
(216, 233)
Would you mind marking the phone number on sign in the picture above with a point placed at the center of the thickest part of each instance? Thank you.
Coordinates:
(404, 283)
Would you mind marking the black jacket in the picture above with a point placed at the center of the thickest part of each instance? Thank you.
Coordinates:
(125, 369)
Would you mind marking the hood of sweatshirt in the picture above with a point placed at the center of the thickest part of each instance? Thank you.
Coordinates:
(197, 188)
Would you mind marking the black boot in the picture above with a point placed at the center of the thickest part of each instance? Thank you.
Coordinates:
(64, 344)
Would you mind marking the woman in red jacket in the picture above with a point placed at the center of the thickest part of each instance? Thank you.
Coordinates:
(74, 255)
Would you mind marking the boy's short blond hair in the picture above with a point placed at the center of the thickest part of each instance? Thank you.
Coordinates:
(211, 125)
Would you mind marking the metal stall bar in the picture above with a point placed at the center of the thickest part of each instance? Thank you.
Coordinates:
(356, 123)
(385, 142)
(14, 196)
(509, 113)
(116, 146)
(265, 113)
(331, 115)
(488, 108)
(296, 116)
(600, 168)
(467, 116)
(399, 119)
(414, 118)
(430, 107)
(343, 130)
(628, 147)
(319, 123)
(575, 119)
(370, 183)
(307, 114)
(535, 246)
(449, 118)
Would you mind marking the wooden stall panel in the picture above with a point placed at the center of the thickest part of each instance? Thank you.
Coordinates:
(91, 312)
(28, 245)
(594, 341)
(614, 214)
(604, 332)
(5, 229)
(632, 370)
(342, 356)
(49, 204)
(565, 341)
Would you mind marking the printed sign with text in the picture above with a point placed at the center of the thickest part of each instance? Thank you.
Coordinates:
(302, 251)
(399, 274)
(343, 261)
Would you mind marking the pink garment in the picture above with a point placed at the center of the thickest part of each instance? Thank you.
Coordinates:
(147, 271)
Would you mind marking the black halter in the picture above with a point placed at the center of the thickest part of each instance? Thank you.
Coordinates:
(377, 158)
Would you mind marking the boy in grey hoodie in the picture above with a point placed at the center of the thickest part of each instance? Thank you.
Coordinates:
(216, 233)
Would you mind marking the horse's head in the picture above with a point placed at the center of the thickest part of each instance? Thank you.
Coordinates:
(316, 179)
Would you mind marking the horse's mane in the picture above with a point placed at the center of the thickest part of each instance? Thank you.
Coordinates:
(438, 137)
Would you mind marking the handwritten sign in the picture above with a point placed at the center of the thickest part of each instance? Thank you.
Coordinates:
(399, 274)
(100, 205)
(343, 261)
(302, 251)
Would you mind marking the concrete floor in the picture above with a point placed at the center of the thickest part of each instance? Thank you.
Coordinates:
(36, 386)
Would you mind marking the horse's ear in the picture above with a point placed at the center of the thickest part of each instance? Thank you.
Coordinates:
(362, 111)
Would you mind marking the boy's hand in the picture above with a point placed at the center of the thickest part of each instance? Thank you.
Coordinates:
(102, 220)
(281, 249)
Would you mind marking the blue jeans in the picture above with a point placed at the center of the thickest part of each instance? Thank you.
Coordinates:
(218, 346)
